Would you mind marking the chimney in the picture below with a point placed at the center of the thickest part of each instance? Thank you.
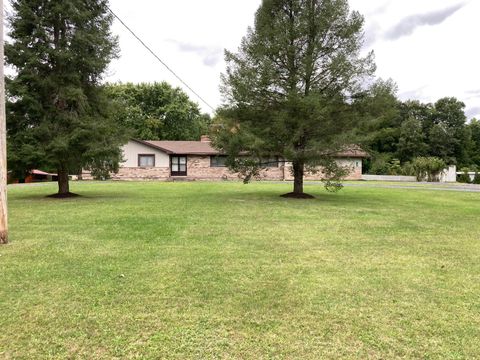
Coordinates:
(205, 139)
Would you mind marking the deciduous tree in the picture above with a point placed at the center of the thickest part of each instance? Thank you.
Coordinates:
(474, 145)
(412, 140)
(158, 112)
(448, 136)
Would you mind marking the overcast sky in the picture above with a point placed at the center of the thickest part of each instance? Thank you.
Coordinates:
(430, 48)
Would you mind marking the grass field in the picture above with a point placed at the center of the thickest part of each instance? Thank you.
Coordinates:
(225, 270)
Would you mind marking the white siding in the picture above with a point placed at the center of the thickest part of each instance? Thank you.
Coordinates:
(132, 149)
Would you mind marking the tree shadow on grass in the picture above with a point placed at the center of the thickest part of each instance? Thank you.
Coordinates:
(302, 196)
(51, 198)
(68, 195)
(320, 197)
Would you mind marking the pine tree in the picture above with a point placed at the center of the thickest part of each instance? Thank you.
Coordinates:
(286, 89)
(58, 115)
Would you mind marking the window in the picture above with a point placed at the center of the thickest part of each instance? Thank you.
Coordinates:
(218, 161)
(146, 160)
(178, 165)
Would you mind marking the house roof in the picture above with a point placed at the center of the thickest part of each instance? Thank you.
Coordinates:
(182, 147)
(205, 148)
(40, 172)
(353, 152)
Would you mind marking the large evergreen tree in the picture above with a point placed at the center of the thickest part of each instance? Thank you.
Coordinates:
(286, 89)
(58, 115)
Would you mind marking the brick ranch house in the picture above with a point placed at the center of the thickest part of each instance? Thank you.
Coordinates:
(198, 160)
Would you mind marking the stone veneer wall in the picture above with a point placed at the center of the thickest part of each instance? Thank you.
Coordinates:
(355, 171)
(135, 173)
(198, 168)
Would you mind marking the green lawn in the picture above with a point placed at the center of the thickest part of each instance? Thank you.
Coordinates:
(226, 270)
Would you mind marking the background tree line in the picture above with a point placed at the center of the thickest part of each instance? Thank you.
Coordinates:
(397, 132)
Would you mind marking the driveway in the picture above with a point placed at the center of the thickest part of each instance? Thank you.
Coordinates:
(413, 186)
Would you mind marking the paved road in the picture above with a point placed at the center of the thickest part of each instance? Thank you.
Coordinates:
(417, 186)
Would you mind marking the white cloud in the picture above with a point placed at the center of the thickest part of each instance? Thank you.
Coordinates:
(407, 25)
(211, 55)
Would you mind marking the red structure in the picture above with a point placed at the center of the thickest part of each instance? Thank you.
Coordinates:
(36, 176)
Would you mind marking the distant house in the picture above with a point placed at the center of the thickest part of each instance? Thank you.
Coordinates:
(34, 176)
(198, 160)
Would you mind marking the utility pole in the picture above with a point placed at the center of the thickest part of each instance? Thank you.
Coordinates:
(3, 140)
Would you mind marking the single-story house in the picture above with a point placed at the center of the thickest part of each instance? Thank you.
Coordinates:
(198, 160)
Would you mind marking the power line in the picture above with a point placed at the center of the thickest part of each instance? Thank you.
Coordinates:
(158, 58)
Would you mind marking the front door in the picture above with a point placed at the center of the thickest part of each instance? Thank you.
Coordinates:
(178, 165)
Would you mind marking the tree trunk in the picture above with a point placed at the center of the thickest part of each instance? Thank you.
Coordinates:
(298, 172)
(63, 184)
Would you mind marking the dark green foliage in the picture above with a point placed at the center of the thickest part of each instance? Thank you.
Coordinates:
(378, 122)
(379, 164)
(58, 116)
(395, 167)
(408, 169)
(432, 130)
(287, 87)
(476, 179)
(376, 110)
(333, 174)
(158, 112)
(448, 133)
(412, 140)
(384, 164)
(473, 148)
(464, 177)
(441, 142)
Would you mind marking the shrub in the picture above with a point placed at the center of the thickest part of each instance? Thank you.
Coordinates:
(379, 165)
(408, 169)
(464, 177)
(428, 168)
(383, 164)
(394, 167)
(476, 179)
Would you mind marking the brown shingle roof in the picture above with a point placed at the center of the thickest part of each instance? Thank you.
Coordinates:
(353, 152)
(182, 147)
(205, 148)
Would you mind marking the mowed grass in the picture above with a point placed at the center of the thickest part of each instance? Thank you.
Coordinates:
(233, 271)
